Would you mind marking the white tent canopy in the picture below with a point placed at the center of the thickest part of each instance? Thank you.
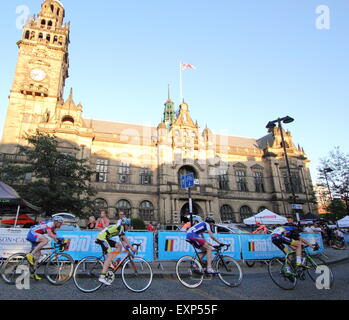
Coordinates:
(266, 217)
(343, 223)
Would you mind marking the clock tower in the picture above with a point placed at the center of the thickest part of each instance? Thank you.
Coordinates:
(41, 71)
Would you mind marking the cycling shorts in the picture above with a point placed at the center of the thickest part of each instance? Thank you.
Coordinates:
(280, 240)
(197, 242)
(34, 238)
(107, 245)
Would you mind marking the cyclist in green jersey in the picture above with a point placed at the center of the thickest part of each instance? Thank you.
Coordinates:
(104, 240)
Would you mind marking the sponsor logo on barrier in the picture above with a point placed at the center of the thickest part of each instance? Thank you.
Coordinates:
(139, 239)
(260, 246)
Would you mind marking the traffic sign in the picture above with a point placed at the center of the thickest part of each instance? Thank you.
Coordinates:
(297, 206)
(188, 181)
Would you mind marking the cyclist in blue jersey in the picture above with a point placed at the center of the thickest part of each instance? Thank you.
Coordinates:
(196, 237)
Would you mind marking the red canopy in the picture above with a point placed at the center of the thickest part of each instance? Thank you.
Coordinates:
(22, 220)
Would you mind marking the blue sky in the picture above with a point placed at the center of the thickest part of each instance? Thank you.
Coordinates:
(256, 61)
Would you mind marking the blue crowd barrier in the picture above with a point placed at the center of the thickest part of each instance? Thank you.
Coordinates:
(173, 246)
(260, 247)
(82, 244)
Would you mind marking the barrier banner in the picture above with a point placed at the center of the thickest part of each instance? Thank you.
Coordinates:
(82, 244)
(260, 247)
(172, 245)
(13, 241)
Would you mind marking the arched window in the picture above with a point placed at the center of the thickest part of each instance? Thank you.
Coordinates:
(146, 211)
(52, 7)
(60, 40)
(49, 23)
(27, 35)
(41, 36)
(245, 212)
(32, 35)
(227, 214)
(43, 22)
(123, 206)
(48, 37)
(101, 204)
(68, 120)
(55, 39)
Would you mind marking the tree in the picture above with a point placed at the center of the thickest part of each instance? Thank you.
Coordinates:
(336, 168)
(61, 182)
(138, 224)
(337, 209)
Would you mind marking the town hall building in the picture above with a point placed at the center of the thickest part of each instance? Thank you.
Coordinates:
(138, 168)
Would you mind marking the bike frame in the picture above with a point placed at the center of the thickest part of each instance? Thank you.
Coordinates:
(217, 256)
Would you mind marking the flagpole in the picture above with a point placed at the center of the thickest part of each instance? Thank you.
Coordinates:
(180, 82)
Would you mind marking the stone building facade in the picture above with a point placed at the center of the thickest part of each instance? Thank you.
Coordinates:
(138, 167)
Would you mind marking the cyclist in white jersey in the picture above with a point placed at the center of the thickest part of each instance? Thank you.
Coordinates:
(195, 236)
(40, 235)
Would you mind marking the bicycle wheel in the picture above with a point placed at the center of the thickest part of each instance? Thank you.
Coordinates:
(229, 271)
(137, 274)
(189, 272)
(10, 267)
(87, 273)
(313, 266)
(59, 269)
(283, 278)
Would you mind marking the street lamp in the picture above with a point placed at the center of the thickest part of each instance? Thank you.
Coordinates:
(325, 171)
(272, 125)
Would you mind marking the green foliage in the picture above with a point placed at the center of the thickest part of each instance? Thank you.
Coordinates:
(138, 224)
(61, 182)
(337, 209)
(338, 179)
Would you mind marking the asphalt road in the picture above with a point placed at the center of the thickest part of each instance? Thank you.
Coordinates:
(255, 286)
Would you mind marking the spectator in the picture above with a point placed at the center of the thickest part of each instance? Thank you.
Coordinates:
(261, 229)
(317, 229)
(150, 227)
(91, 223)
(308, 229)
(103, 221)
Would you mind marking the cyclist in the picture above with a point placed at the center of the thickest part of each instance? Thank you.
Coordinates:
(261, 229)
(290, 236)
(195, 236)
(39, 237)
(104, 240)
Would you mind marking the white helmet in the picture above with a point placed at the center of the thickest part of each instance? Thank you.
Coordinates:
(58, 219)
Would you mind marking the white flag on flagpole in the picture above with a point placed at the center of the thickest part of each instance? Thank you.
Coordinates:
(183, 66)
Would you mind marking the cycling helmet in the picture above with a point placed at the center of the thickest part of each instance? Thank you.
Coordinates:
(58, 219)
(210, 220)
(126, 222)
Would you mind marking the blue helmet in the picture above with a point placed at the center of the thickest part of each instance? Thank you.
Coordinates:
(126, 222)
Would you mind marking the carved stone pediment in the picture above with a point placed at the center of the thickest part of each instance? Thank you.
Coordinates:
(257, 167)
(239, 165)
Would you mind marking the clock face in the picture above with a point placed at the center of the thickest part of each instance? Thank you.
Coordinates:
(38, 74)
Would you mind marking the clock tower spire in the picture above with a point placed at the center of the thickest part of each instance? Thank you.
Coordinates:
(41, 72)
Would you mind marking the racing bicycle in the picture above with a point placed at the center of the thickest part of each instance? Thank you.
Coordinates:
(285, 273)
(191, 270)
(58, 266)
(136, 273)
